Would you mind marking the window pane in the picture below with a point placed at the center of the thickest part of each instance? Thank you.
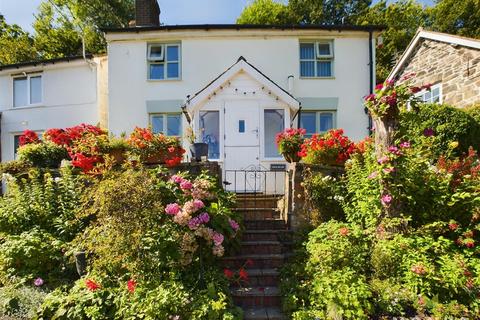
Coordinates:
(324, 68)
(16, 144)
(172, 53)
(174, 124)
(273, 124)
(308, 121)
(210, 132)
(326, 121)
(241, 126)
(172, 70)
(35, 90)
(324, 49)
(157, 123)
(20, 92)
(307, 69)
(427, 97)
(307, 51)
(155, 52)
(157, 71)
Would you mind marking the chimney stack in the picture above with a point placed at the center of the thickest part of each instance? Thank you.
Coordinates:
(147, 13)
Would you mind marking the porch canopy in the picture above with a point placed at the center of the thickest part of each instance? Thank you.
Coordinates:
(195, 102)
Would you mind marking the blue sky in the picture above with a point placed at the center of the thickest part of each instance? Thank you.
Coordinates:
(173, 11)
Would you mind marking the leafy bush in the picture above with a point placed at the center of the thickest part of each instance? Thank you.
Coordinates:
(42, 155)
(436, 126)
(20, 302)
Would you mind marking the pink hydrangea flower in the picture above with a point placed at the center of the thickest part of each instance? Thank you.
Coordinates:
(217, 238)
(186, 185)
(198, 204)
(38, 282)
(234, 224)
(176, 179)
(386, 199)
(194, 223)
(172, 209)
(383, 160)
(204, 218)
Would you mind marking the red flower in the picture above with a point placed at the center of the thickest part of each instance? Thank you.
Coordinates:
(453, 226)
(243, 274)
(86, 163)
(228, 273)
(469, 243)
(343, 231)
(28, 137)
(131, 284)
(171, 149)
(92, 285)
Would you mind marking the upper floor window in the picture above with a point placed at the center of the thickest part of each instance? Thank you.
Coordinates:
(27, 90)
(163, 61)
(317, 121)
(170, 124)
(316, 59)
(432, 96)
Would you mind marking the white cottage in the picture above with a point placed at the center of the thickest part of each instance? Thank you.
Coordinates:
(236, 85)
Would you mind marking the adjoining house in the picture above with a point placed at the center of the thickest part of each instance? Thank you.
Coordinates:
(450, 63)
(236, 85)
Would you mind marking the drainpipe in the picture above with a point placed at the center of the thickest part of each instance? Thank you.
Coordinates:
(372, 70)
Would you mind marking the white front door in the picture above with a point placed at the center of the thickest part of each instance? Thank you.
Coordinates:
(242, 146)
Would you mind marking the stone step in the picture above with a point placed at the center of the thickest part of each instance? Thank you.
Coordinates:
(256, 297)
(260, 261)
(267, 235)
(260, 202)
(265, 224)
(258, 313)
(261, 247)
(261, 278)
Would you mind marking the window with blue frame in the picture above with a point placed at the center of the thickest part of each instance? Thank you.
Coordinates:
(317, 122)
(170, 124)
(316, 59)
(164, 61)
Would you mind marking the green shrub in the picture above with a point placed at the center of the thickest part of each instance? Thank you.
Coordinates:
(20, 302)
(32, 254)
(474, 112)
(42, 155)
(449, 124)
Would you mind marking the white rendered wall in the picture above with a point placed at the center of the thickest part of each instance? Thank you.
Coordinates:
(69, 98)
(207, 55)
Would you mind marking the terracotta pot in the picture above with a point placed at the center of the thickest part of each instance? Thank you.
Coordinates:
(157, 158)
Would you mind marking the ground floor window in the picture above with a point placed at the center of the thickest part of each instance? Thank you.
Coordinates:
(210, 132)
(317, 121)
(432, 96)
(274, 122)
(170, 124)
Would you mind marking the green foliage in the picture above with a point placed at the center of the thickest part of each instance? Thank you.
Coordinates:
(42, 155)
(31, 254)
(456, 17)
(449, 124)
(18, 301)
(43, 201)
(264, 12)
(16, 45)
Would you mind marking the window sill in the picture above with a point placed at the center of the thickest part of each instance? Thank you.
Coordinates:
(164, 80)
(33, 106)
(317, 78)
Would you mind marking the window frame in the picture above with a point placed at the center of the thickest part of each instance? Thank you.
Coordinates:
(420, 95)
(165, 122)
(28, 77)
(164, 61)
(318, 114)
(318, 58)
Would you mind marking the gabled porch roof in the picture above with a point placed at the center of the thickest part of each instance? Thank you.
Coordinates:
(199, 98)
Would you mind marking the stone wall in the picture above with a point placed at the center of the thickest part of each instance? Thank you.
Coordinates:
(456, 67)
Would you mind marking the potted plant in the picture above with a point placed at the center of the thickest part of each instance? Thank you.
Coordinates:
(116, 149)
(198, 150)
(289, 143)
(332, 148)
(154, 148)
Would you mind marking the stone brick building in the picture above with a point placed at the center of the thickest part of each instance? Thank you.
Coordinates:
(450, 63)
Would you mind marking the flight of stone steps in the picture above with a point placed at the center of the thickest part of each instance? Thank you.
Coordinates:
(266, 244)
